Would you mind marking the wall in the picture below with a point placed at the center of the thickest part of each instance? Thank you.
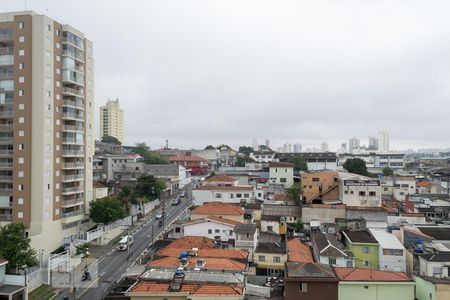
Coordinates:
(442, 291)
(101, 193)
(268, 262)
(237, 218)
(350, 195)
(315, 290)
(319, 183)
(370, 215)
(372, 257)
(201, 229)
(340, 261)
(425, 290)
(276, 173)
(275, 226)
(324, 215)
(202, 196)
(375, 291)
(426, 268)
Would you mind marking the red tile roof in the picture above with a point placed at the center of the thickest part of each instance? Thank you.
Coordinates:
(186, 158)
(299, 252)
(221, 178)
(224, 188)
(211, 263)
(279, 197)
(217, 253)
(327, 206)
(192, 289)
(424, 184)
(356, 274)
(190, 242)
(280, 165)
(218, 208)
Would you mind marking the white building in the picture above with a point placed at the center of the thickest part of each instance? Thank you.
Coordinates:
(392, 160)
(263, 157)
(255, 144)
(227, 194)
(353, 143)
(435, 265)
(281, 173)
(398, 186)
(383, 144)
(324, 147)
(297, 148)
(392, 254)
(328, 250)
(211, 227)
(358, 190)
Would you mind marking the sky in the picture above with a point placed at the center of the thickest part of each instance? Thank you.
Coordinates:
(212, 72)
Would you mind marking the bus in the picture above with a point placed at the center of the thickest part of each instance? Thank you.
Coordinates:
(124, 242)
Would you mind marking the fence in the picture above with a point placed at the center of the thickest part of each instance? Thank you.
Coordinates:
(149, 206)
(122, 222)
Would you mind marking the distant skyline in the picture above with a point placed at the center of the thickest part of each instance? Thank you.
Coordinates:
(212, 72)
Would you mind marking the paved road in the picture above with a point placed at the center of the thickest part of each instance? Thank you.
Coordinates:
(113, 266)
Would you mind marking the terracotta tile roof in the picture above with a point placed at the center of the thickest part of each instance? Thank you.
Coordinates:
(221, 178)
(412, 215)
(299, 252)
(224, 188)
(424, 184)
(218, 208)
(211, 263)
(203, 253)
(213, 219)
(356, 274)
(98, 185)
(193, 289)
(190, 242)
(327, 206)
(280, 165)
(186, 158)
(279, 197)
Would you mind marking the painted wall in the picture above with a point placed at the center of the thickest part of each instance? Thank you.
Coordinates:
(276, 175)
(229, 217)
(372, 257)
(201, 229)
(314, 290)
(425, 290)
(376, 290)
(202, 196)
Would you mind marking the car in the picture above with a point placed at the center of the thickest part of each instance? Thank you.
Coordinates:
(176, 201)
(158, 216)
(183, 194)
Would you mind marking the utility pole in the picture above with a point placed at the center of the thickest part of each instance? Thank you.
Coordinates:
(128, 244)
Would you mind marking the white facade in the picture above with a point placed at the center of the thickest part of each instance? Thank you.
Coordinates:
(262, 157)
(398, 186)
(270, 226)
(209, 228)
(392, 160)
(383, 141)
(222, 194)
(353, 143)
(434, 268)
(392, 255)
(279, 174)
(357, 190)
(337, 261)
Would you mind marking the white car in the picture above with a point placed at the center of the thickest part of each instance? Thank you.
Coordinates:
(158, 216)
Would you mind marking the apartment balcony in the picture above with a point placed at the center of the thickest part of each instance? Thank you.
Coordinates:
(74, 141)
(73, 92)
(6, 139)
(7, 153)
(73, 128)
(6, 166)
(67, 166)
(6, 178)
(6, 114)
(6, 50)
(78, 55)
(72, 116)
(73, 79)
(73, 202)
(72, 190)
(72, 153)
(5, 217)
(6, 127)
(71, 103)
(6, 37)
(5, 191)
(8, 74)
(70, 178)
(73, 216)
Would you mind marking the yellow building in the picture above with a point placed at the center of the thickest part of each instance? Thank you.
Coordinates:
(111, 120)
(270, 258)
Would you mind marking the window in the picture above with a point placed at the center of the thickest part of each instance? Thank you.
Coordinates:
(218, 195)
(230, 232)
(57, 211)
(331, 261)
(261, 258)
(21, 133)
(315, 179)
(238, 195)
(393, 252)
(349, 264)
(21, 120)
(246, 195)
(20, 201)
(365, 250)
(21, 52)
(269, 228)
(365, 263)
(21, 39)
(216, 230)
(372, 193)
(21, 66)
(282, 179)
(437, 270)
(21, 106)
(351, 192)
(177, 229)
(346, 192)
(386, 189)
(21, 92)
(209, 231)
(49, 27)
(231, 196)
(21, 25)
(21, 147)
(362, 193)
(20, 215)
(20, 174)
(302, 288)
(20, 187)
(276, 259)
(21, 79)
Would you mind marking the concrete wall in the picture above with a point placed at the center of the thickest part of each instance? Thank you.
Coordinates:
(324, 215)
(202, 196)
(201, 229)
(375, 290)
(368, 215)
(314, 290)
(276, 174)
(425, 290)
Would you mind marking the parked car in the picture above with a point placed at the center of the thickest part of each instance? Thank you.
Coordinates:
(159, 216)
(183, 194)
(176, 201)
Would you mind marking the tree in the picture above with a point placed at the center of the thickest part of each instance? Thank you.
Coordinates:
(149, 157)
(356, 165)
(141, 149)
(149, 186)
(242, 160)
(15, 247)
(388, 171)
(210, 147)
(106, 210)
(299, 163)
(110, 140)
(212, 174)
(298, 227)
(126, 195)
(293, 192)
(245, 150)
(223, 146)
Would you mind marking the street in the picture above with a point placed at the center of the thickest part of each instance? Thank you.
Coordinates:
(113, 266)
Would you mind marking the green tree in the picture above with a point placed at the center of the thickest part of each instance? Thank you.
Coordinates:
(211, 175)
(223, 146)
(141, 149)
(15, 247)
(242, 160)
(293, 192)
(388, 171)
(298, 227)
(245, 150)
(357, 166)
(210, 147)
(106, 210)
(149, 157)
(110, 140)
(126, 194)
(299, 163)
(148, 186)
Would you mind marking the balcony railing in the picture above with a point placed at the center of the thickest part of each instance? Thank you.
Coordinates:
(73, 177)
(6, 165)
(76, 201)
(6, 126)
(73, 213)
(5, 217)
(6, 177)
(72, 141)
(6, 50)
(6, 113)
(72, 115)
(73, 152)
(72, 165)
(72, 128)
(73, 92)
(6, 37)
(6, 152)
(72, 190)
(78, 104)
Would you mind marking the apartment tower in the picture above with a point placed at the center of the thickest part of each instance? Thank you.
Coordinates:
(111, 120)
(383, 141)
(46, 122)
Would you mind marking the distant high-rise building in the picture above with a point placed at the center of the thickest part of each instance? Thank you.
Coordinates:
(287, 148)
(373, 143)
(324, 147)
(47, 115)
(111, 120)
(344, 147)
(267, 143)
(255, 144)
(353, 143)
(383, 144)
(297, 148)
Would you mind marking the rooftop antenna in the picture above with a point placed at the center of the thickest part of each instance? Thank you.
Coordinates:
(167, 144)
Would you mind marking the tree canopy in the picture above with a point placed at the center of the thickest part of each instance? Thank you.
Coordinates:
(210, 147)
(293, 192)
(357, 166)
(299, 163)
(242, 160)
(110, 140)
(387, 171)
(245, 150)
(15, 247)
(149, 186)
(149, 157)
(106, 210)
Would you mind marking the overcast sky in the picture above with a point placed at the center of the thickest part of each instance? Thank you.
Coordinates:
(212, 72)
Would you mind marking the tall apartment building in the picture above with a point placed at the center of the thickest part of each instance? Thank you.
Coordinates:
(111, 120)
(353, 143)
(373, 143)
(46, 122)
(383, 137)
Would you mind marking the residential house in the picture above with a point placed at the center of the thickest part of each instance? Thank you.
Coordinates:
(273, 224)
(310, 280)
(269, 259)
(221, 180)
(263, 157)
(177, 175)
(218, 209)
(398, 186)
(100, 190)
(314, 160)
(289, 213)
(356, 284)
(364, 247)
(10, 286)
(435, 265)
(358, 190)
(211, 227)
(281, 173)
(228, 194)
(392, 253)
(246, 236)
(328, 250)
(427, 187)
(103, 165)
(324, 213)
(320, 185)
(298, 251)
(196, 164)
(432, 288)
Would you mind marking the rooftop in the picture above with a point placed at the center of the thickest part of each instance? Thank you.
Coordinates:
(224, 188)
(356, 274)
(385, 239)
(280, 165)
(201, 253)
(282, 210)
(437, 232)
(328, 245)
(437, 257)
(189, 242)
(360, 237)
(221, 178)
(298, 251)
(328, 155)
(211, 263)
(187, 158)
(309, 270)
(212, 219)
(277, 248)
(192, 289)
(245, 228)
(425, 184)
(218, 208)
(195, 276)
